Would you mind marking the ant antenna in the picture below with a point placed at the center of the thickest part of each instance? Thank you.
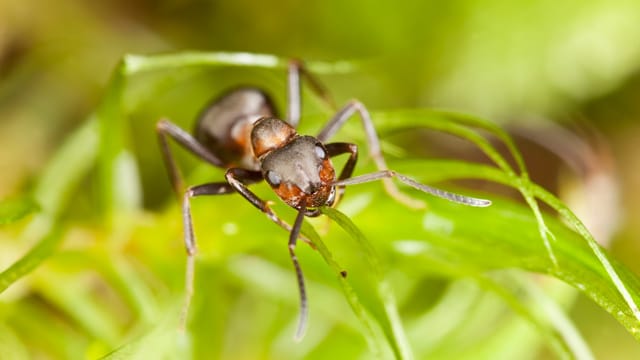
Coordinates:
(384, 174)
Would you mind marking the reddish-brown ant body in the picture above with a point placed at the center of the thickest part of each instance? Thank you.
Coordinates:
(241, 133)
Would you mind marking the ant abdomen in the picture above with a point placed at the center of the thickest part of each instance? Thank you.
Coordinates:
(224, 127)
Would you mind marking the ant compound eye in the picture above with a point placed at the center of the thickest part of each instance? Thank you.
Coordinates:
(320, 152)
(273, 178)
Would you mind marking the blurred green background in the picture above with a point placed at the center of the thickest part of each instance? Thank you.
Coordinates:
(513, 62)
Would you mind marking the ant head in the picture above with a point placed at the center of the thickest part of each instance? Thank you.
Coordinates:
(301, 173)
(270, 133)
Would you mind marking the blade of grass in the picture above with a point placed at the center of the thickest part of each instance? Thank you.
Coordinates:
(374, 341)
(578, 263)
(526, 188)
(135, 64)
(600, 253)
(163, 341)
(391, 323)
(30, 261)
(52, 193)
(457, 125)
(12, 210)
(62, 290)
(522, 299)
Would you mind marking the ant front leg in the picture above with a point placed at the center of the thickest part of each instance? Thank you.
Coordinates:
(166, 129)
(235, 176)
(239, 179)
(221, 188)
(374, 146)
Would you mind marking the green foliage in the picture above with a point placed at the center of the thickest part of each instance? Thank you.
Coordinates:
(449, 281)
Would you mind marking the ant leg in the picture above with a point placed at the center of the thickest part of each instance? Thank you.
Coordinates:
(334, 149)
(387, 174)
(374, 146)
(234, 176)
(295, 70)
(304, 308)
(165, 129)
(190, 239)
(221, 188)
(237, 178)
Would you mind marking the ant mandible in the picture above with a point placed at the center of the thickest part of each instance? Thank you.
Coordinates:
(240, 132)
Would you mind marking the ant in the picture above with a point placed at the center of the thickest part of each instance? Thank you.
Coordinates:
(240, 132)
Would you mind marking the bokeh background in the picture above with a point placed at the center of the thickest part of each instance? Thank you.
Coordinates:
(514, 62)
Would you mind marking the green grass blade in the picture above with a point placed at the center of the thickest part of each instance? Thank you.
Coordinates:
(582, 263)
(491, 127)
(30, 261)
(620, 284)
(391, 323)
(522, 183)
(524, 299)
(52, 193)
(458, 125)
(376, 344)
(12, 210)
(66, 169)
(136, 64)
